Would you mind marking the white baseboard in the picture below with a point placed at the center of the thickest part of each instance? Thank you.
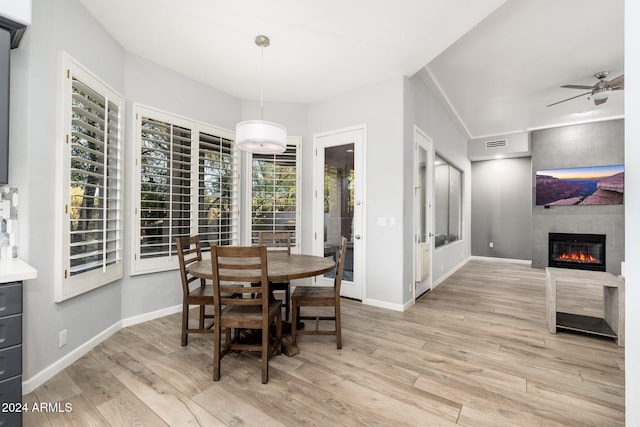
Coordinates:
(141, 318)
(495, 259)
(61, 364)
(450, 272)
(383, 304)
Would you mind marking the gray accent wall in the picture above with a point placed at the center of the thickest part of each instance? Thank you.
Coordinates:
(501, 208)
(590, 144)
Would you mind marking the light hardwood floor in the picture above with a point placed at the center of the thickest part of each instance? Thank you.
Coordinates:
(475, 351)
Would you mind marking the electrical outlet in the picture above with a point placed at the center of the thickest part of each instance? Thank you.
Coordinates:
(63, 338)
(490, 244)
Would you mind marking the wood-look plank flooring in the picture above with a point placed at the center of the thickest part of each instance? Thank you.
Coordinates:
(475, 351)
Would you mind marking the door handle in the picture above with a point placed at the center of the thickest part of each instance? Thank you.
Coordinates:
(357, 237)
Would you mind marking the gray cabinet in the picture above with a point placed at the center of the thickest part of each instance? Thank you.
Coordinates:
(10, 352)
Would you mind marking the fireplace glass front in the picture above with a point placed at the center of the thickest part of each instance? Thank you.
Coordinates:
(580, 251)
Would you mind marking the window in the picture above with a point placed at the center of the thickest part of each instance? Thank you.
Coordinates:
(275, 182)
(217, 191)
(92, 229)
(448, 202)
(186, 175)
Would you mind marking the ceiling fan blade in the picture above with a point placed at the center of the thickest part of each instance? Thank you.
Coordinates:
(600, 101)
(578, 87)
(618, 81)
(569, 99)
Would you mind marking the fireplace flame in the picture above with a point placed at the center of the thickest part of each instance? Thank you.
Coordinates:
(578, 257)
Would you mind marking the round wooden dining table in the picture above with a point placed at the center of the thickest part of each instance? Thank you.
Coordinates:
(280, 266)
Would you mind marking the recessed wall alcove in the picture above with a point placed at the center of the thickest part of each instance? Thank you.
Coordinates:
(590, 144)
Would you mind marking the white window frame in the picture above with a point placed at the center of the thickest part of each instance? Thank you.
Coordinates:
(293, 142)
(140, 264)
(441, 206)
(68, 283)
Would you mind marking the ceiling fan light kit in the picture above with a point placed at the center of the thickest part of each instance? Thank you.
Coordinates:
(600, 91)
(261, 136)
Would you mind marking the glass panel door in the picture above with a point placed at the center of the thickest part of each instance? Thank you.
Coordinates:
(338, 205)
(339, 202)
(423, 213)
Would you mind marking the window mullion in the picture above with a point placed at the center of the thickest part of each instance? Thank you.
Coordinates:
(194, 202)
(171, 179)
(105, 168)
(273, 191)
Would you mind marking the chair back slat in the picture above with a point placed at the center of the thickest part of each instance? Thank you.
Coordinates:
(312, 296)
(240, 275)
(342, 253)
(240, 283)
(275, 241)
(199, 294)
(189, 251)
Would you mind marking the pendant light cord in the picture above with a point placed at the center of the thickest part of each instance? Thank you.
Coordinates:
(261, 82)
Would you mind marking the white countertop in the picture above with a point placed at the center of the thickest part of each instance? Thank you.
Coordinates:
(14, 270)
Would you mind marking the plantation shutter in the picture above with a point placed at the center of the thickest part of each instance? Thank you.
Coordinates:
(217, 191)
(274, 193)
(91, 233)
(95, 226)
(165, 187)
(187, 184)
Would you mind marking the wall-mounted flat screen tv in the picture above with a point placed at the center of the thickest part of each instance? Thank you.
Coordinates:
(594, 185)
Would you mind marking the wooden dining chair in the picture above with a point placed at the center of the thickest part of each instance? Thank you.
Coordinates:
(278, 242)
(320, 296)
(242, 271)
(189, 251)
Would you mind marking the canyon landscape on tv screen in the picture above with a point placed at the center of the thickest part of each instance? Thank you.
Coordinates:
(594, 185)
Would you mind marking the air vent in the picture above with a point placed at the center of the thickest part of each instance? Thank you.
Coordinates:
(499, 143)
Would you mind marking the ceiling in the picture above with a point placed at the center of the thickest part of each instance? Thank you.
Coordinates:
(498, 63)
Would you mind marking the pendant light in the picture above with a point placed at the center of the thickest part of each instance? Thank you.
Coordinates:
(261, 136)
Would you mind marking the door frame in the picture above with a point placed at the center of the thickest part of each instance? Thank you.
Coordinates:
(359, 225)
(422, 140)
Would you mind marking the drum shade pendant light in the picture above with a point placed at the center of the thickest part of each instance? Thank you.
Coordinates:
(260, 136)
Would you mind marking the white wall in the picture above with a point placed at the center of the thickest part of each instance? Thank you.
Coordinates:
(179, 95)
(426, 108)
(632, 207)
(16, 10)
(389, 109)
(379, 107)
(154, 86)
(35, 74)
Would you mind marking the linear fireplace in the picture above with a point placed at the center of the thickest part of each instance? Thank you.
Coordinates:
(580, 251)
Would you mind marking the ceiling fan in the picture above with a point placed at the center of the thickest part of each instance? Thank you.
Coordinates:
(599, 91)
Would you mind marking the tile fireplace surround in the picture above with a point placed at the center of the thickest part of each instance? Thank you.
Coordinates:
(588, 144)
